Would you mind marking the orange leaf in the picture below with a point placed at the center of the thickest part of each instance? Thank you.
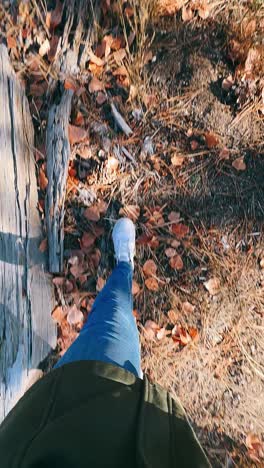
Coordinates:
(211, 140)
(116, 43)
(135, 288)
(177, 160)
(43, 245)
(212, 286)
(152, 284)
(92, 213)
(150, 268)
(187, 13)
(11, 42)
(95, 85)
(176, 262)
(43, 181)
(76, 134)
(170, 252)
(58, 314)
(88, 239)
(187, 307)
(70, 84)
(74, 315)
(180, 230)
(239, 164)
(130, 211)
(173, 316)
(193, 332)
(54, 17)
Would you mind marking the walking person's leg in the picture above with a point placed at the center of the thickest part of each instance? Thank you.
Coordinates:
(110, 333)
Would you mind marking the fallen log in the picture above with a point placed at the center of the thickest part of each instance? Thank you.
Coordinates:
(27, 332)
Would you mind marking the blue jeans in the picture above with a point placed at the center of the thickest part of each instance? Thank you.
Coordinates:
(110, 333)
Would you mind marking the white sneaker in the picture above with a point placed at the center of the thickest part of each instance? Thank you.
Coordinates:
(124, 238)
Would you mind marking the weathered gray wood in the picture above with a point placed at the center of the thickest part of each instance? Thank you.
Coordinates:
(27, 332)
(69, 61)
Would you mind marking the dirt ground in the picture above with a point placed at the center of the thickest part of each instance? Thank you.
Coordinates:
(196, 151)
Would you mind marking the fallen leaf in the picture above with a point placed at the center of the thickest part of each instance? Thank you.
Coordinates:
(74, 315)
(193, 332)
(130, 211)
(239, 164)
(100, 284)
(187, 13)
(213, 286)
(194, 145)
(175, 243)
(204, 11)
(174, 216)
(11, 42)
(92, 213)
(161, 334)
(97, 60)
(180, 230)
(150, 329)
(119, 55)
(173, 316)
(176, 262)
(224, 154)
(180, 335)
(101, 98)
(170, 252)
(152, 284)
(54, 17)
(150, 268)
(70, 84)
(76, 134)
(255, 446)
(177, 160)
(43, 181)
(135, 288)
(53, 47)
(187, 307)
(58, 314)
(43, 246)
(211, 140)
(44, 48)
(116, 43)
(95, 85)
(87, 240)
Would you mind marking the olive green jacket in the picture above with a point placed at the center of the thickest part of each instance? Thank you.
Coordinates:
(93, 414)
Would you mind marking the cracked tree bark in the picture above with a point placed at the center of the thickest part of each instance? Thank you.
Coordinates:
(70, 60)
(27, 332)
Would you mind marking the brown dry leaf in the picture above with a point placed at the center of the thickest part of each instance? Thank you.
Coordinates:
(170, 252)
(161, 334)
(204, 10)
(177, 161)
(180, 230)
(187, 307)
(224, 154)
(76, 134)
(92, 213)
(95, 85)
(88, 239)
(11, 42)
(213, 286)
(54, 17)
(119, 55)
(239, 164)
(174, 216)
(130, 211)
(169, 7)
(112, 164)
(152, 284)
(135, 288)
(101, 98)
(58, 314)
(176, 262)
(173, 316)
(97, 60)
(187, 13)
(44, 48)
(120, 71)
(175, 243)
(150, 329)
(43, 181)
(100, 284)
(70, 84)
(211, 140)
(74, 315)
(53, 47)
(150, 268)
(43, 245)
(193, 332)
(180, 335)
(255, 446)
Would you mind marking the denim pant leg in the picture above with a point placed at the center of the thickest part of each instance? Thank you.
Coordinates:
(110, 333)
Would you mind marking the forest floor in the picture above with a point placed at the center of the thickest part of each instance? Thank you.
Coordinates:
(187, 78)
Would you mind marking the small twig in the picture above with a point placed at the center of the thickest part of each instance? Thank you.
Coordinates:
(129, 155)
(120, 121)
